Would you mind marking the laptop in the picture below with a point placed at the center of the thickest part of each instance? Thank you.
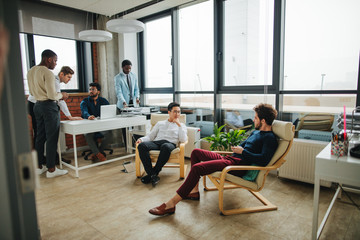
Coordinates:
(107, 111)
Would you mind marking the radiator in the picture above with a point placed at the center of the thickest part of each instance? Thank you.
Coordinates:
(193, 140)
(300, 161)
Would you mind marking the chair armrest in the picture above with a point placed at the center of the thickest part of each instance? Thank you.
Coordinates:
(223, 152)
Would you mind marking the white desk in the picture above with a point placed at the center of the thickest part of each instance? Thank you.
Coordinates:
(342, 170)
(87, 126)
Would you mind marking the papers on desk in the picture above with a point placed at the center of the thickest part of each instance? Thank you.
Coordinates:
(136, 110)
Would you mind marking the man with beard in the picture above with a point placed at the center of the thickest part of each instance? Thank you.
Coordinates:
(90, 109)
(258, 149)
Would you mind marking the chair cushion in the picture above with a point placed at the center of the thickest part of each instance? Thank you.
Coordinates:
(283, 129)
(157, 152)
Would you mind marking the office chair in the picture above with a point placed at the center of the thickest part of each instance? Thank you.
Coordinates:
(97, 137)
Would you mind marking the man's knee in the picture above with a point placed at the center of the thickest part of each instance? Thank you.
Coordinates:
(167, 147)
(195, 153)
(142, 147)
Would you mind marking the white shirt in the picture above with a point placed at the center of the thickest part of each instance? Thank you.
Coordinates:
(61, 103)
(165, 130)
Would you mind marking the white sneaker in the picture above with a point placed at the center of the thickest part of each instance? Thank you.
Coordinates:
(40, 171)
(57, 172)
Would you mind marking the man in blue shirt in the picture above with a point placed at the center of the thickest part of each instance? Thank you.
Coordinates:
(126, 89)
(90, 109)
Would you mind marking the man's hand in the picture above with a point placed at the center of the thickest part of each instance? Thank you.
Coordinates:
(138, 141)
(125, 105)
(65, 95)
(177, 121)
(92, 117)
(237, 149)
(138, 101)
(74, 118)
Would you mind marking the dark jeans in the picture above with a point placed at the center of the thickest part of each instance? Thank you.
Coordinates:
(30, 106)
(47, 116)
(204, 162)
(165, 148)
(91, 139)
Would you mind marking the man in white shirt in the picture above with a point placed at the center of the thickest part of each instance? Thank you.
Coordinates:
(164, 137)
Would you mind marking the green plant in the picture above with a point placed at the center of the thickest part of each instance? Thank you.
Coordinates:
(222, 141)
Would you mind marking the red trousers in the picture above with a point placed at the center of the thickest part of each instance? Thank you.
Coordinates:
(204, 162)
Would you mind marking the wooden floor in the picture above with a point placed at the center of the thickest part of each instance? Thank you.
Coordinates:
(106, 203)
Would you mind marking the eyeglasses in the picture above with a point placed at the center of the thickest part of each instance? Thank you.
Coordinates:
(174, 111)
(92, 89)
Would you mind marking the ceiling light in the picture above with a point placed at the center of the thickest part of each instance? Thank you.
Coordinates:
(125, 26)
(95, 35)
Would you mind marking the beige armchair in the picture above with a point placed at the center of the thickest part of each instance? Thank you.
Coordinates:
(177, 158)
(315, 121)
(223, 180)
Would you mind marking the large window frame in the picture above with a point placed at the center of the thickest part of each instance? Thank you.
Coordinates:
(275, 88)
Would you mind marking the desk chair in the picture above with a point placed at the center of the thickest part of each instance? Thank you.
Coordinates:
(177, 155)
(223, 180)
(97, 137)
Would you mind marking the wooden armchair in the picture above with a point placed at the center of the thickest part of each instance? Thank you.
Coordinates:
(177, 157)
(223, 180)
(315, 121)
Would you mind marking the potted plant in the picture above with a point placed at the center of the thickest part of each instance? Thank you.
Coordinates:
(222, 141)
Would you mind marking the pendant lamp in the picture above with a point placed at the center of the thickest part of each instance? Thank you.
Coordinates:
(95, 35)
(125, 26)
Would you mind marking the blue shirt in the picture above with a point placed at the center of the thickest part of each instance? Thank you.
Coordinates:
(259, 148)
(89, 108)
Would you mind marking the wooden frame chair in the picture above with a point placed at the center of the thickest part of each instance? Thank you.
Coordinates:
(315, 121)
(223, 180)
(177, 157)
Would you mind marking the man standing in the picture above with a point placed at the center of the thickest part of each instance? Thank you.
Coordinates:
(42, 86)
(90, 109)
(164, 137)
(64, 76)
(126, 88)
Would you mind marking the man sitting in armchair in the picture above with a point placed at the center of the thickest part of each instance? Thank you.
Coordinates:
(164, 137)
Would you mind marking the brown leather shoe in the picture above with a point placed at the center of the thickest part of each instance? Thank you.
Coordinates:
(100, 157)
(68, 161)
(193, 196)
(161, 211)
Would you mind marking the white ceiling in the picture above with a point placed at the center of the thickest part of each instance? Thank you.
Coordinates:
(112, 7)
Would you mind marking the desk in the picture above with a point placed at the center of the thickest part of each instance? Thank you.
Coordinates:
(86, 126)
(343, 170)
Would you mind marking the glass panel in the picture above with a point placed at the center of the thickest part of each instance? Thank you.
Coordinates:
(199, 109)
(162, 100)
(237, 109)
(196, 34)
(24, 61)
(158, 57)
(325, 103)
(65, 50)
(248, 43)
(321, 50)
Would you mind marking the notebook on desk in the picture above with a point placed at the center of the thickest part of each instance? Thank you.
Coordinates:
(107, 111)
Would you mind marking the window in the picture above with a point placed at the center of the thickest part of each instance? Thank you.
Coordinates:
(248, 42)
(158, 53)
(66, 52)
(158, 99)
(24, 61)
(196, 48)
(322, 44)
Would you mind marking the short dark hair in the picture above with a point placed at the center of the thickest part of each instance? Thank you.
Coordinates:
(48, 54)
(67, 70)
(95, 84)
(171, 105)
(125, 63)
(267, 112)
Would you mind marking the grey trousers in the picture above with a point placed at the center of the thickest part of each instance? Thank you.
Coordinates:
(91, 139)
(47, 116)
